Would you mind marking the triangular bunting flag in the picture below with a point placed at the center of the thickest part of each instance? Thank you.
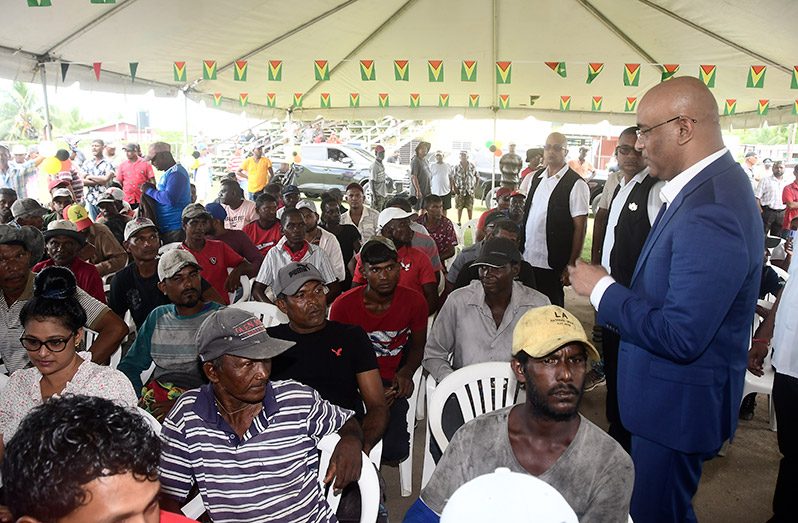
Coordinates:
(557, 67)
(730, 107)
(354, 99)
(297, 101)
(367, 71)
(271, 99)
(217, 99)
(596, 103)
(384, 100)
(795, 107)
(209, 69)
(565, 103)
(240, 72)
(473, 100)
(631, 74)
(134, 66)
(443, 100)
(707, 74)
(593, 70)
(756, 76)
(794, 83)
(275, 70)
(98, 67)
(415, 99)
(243, 99)
(468, 71)
(435, 69)
(504, 72)
(39, 3)
(64, 69)
(668, 70)
(324, 98)
(630, 105)
(401, 70)
(180, 71)
(762, 107)
(504, 101)
(321, 70)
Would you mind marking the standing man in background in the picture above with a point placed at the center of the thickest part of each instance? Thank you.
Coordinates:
(510, 166)
(377, 179)
(171, 195)
(257, 170)
(768, 194)
(440, 180)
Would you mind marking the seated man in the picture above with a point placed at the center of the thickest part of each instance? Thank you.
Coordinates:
(293, 248)
(360, 215)
(516, 211)
(315, 235)
(476, 322)
(111, 205)
(95, 460)
(101, 250)
(266, 230)
(421, 239)
(545, 436)
(238, 211)
(64, 242)
(261, 433)
(503, 198)
(347, 235)
(236, 239)
(417, 272)
(291, 196)
(334, 359)
(439, 227)
(7, 198)
(135, 288)
(167, 336)
(215, 257)
(27, 211)
(395, 319)
(470, 253)
(62, 198)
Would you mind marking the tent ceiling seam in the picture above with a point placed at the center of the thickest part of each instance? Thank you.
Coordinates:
(94, 22)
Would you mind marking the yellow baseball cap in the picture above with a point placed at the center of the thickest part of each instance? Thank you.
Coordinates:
(543, 330)
(78, 215)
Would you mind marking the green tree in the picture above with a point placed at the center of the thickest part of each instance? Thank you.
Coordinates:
(774, 135)
(21, 114)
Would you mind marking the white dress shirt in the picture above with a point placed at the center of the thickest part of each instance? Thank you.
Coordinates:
(785, 333)
(667, 194)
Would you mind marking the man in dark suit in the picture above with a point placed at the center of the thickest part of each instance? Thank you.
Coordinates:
(685, 318)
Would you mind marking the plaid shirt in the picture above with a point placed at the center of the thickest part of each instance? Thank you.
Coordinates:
(465, 178)
(16, 177)
(95, 168)
(769, 192)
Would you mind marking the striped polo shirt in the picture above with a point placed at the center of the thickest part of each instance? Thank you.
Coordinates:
(271, 474)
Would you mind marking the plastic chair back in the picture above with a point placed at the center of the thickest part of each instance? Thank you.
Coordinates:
(269, 314)
(368, 483)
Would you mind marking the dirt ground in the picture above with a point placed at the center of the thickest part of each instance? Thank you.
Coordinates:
(735, 488)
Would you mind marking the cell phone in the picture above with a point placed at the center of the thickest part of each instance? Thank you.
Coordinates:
(792, 235)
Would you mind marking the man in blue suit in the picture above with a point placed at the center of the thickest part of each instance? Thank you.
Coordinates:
(685, 321)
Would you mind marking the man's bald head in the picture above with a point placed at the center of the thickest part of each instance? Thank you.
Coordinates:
(692, 131)
(554, 152)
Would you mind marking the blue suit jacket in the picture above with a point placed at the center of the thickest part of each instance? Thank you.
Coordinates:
(685, 323)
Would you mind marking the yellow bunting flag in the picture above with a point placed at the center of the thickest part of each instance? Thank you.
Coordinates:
(597, 101)
(631, 75)
(243, 99)
(565, 103)
(504, 72)
(473, 100)
(401, 70)
(435, 69)
(415, 99)
(384, 100)
(325, 100)
(593, 70)
(367, 71)
(179, 71)
(707, 73)
(468, 71)
(275, 70)
(321, 69)
(209, 69)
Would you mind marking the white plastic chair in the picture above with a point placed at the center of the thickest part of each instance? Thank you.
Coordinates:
(4, 381)
(406, 466)
(762, 385)
(368, 483)
(269, 314)
(479, 389)
(154, 424)
(246, 290)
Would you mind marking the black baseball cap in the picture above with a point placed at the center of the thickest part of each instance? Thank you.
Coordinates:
(498, 252)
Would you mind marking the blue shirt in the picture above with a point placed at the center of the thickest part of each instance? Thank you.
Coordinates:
(171, 196)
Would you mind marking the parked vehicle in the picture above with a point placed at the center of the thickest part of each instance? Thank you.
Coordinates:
(596, 184)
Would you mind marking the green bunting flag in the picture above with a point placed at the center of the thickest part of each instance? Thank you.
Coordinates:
(415, 99)
(557, 67)
(668, 70)
(593, 70)
(504, 101)
(504, 72)
(631, 75)
(134, 66)
(217, 99)
(275, 70)
(401, 70)
(730, 107)
(325, 100)
(473, 100)
(707, 74)
(243, 99)
(794, 83)
(209, 69)
(297, 102)
(468, 71)
(179, 71)
(321, 70)
(354, 99)
(40, 3)
(271, 100)
(762, 107)
(435, 70)
(565, 103)
(756, 76)
(597, 101)
(443, 100)
(240, 72)
(384, 100)
(630, 105)
(367, 71)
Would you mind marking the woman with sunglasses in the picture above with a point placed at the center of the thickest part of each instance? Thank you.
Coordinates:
(53, 328)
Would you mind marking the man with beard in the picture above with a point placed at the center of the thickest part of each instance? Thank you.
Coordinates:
(167, 337)
(172, 193)
(360, 215)
(545, 436)
(769, 197)
(97, 173)
(316, 235)
(266, 230)
(516, 211)
(347, 235)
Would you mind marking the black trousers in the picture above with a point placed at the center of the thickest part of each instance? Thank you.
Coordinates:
(772, 220)
(610, 343)
(396, 439)
(785, 401)
(549, 282)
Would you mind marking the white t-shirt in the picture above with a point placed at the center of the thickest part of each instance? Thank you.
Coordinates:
(439, 178)
(785, 333)
(536, 250)
(238, 218)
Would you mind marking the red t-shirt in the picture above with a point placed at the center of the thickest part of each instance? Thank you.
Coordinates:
(131, 175)
(169, 517)
(215, 258)
(389, 333)
(264, 239)
(86, 276)
(789, 194)
(416, 270)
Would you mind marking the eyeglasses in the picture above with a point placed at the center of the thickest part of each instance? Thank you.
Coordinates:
(642, 132)
(554, 147)
(53, 345)
(625, 150)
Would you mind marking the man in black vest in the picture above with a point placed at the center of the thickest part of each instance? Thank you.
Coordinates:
(555, 220)
(634, 207)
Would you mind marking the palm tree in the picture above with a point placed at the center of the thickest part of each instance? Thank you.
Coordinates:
(21, 114)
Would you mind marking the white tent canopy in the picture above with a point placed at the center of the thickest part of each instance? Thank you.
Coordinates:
(528, 33)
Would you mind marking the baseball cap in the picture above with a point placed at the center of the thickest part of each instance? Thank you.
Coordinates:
(517, 193)
(131, 147)
(379, 148)
(19, 149)
(216, 210)
(112, 195)
(194, 210)
(498, 252)
(238, 333)
(174, 261)
(543, 330)
(290, 189)
(495, 217)
(62, 192)
(58, 182)
(391, 213)
(137, 224)
(307, 204)
(503, 191)
(381, 240)
(63, 228)
(293, 276)
(78, 215)
(27, 207)
(749, 154)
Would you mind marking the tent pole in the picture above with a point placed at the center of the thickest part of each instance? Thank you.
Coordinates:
(495, 110)
(48, 131)
(185, 120)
